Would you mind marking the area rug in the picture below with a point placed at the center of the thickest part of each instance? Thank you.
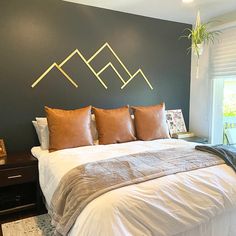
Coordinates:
(33, 226)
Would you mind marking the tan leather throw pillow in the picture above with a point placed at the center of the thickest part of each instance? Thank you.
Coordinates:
(150, 122)
(114, 125)
(69, 128)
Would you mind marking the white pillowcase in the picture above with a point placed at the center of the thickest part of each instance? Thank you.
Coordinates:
(43, 131)
(35, 124)
(93, 128)
(41, 127)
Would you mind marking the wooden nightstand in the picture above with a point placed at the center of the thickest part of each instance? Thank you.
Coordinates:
(19, 188)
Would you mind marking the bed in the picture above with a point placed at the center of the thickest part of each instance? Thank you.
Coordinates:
(200, 202)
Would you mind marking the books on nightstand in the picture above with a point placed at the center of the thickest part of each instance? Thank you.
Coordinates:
(183, 135)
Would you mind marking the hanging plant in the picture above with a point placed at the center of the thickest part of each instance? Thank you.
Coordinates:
(200, 35)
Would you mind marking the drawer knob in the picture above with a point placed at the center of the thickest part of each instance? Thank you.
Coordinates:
(14, 176)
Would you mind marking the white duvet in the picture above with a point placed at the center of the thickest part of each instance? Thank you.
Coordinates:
(196, 203)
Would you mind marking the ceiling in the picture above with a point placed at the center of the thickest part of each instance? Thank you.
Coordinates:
(173, 10)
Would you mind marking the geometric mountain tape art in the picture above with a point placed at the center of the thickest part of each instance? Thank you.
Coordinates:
(97, 74)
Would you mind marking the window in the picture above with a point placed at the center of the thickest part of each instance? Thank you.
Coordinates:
(223, 74)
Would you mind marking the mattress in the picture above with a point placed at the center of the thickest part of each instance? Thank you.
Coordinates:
(200, 202)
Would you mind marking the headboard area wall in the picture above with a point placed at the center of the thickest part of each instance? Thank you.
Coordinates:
(74, 55)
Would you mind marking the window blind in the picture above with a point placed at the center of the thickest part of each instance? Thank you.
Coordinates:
(223, 55)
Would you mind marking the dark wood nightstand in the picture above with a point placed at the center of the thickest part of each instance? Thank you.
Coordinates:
(19, 188)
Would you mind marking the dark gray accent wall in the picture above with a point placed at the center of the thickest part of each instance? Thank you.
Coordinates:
(36, 33)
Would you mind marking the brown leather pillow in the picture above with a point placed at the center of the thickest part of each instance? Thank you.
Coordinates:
(114, 125)
(69, 129)
(150, 122)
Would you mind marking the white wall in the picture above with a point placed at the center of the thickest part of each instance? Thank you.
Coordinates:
(199, 96)
(201, 88)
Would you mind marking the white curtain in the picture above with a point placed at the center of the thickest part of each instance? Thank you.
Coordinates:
(223, 55)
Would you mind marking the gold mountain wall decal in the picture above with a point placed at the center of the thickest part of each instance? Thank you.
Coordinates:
(96, 74)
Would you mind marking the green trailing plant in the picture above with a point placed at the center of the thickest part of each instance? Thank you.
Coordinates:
(200, 35)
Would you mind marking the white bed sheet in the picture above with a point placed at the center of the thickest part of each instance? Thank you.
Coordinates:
(197, 203)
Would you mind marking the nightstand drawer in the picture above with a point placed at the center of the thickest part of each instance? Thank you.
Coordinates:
(18, 175)
(17, 196)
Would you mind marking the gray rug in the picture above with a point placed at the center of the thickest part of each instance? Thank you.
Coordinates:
(33, 226)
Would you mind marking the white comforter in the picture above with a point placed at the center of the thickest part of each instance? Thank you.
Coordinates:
(196, 203)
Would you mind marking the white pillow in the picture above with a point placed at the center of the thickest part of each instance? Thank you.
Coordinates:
(94, 129)
(35, 124)
(42, 120)
(43, 132)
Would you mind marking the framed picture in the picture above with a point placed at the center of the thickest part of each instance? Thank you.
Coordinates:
(3, 152)
(175, 121)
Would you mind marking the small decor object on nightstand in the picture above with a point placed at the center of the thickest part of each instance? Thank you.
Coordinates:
(183, 135)
(3, 152)
(175, 121)
(177, 128)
